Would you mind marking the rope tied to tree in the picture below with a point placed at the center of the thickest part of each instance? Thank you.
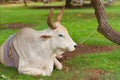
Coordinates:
(88, 36)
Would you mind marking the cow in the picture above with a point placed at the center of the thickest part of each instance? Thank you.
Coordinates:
(35, 52)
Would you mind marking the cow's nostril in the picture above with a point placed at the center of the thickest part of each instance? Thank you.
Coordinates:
(75, 46)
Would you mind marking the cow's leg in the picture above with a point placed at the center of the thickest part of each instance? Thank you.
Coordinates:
(58, 64)
(47, 69)
(29, 71)
(44, 71)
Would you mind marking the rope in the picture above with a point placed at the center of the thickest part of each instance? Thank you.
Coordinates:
(88, 36)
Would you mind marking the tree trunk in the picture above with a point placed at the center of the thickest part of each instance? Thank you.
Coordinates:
(104, 28)
(25, 2)
(68, 3)
(2, 1)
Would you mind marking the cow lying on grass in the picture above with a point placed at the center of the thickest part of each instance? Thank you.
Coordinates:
(34, 52)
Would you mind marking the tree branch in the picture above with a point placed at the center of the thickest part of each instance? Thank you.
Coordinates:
(104, 28)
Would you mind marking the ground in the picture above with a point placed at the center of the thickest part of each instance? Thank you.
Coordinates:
(95, 58)
(15, 26)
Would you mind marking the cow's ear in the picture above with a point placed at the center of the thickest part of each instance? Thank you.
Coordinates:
(45, 37)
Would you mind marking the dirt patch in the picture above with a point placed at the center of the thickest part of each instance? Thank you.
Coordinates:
(93, 74)
(83, 49)
(89, 74)
(86, 74)
(15, 26)
(59, 7)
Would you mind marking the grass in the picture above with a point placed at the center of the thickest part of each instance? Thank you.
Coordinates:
(80, 23)
(106, 61)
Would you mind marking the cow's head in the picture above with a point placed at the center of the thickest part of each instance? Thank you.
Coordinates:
(60, 38)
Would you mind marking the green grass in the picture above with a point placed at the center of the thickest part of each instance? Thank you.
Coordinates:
(80, 23)
(107, 61)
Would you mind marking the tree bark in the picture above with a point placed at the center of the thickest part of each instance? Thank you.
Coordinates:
(68, 3)
(104, 28)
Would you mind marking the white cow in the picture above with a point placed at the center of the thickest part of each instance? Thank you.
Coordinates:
(34, 52)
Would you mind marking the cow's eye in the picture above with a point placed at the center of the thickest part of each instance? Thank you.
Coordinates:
(60, 35)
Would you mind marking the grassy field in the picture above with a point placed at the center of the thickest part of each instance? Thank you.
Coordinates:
(80, 23)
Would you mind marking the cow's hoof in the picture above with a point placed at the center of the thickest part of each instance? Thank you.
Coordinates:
(59, 67)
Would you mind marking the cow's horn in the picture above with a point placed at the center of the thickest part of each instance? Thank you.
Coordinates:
(60, 14)
(49, 20)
